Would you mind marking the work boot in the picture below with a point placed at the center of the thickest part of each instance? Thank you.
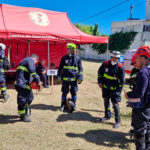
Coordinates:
(28, 111)
(63, 104)
(116, 125)
(25, 118)
(104, 119)
(75, 108)
(4, 97)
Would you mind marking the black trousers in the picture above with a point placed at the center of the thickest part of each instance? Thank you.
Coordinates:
(141, 124)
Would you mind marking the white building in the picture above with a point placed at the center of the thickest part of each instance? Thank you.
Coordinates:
(140, 26)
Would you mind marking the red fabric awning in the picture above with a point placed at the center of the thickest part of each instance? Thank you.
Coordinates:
(39, 24)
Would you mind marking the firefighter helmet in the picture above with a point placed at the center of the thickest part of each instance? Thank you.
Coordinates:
(143, 51)
(115, 54)
(71, 46)
(3, 46)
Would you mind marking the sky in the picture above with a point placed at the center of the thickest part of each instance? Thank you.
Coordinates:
(79, 10)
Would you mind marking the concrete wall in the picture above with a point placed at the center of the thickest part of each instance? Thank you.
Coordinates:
(89, 53)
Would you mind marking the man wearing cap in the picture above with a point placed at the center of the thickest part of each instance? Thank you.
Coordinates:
(110, 80)
(25, 74)
(71, 73)
(4, 65)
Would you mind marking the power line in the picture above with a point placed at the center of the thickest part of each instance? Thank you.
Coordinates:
(108, 9)
(122, 11)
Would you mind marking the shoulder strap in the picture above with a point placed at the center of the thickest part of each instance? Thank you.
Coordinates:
(106, 63)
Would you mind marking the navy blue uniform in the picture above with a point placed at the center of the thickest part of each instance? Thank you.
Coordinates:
(25, 74)
(4, 64)
(39, 70)
(112, 79)
(139, 100)
(70, 70)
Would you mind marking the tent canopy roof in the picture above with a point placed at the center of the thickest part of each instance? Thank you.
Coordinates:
(39, 24)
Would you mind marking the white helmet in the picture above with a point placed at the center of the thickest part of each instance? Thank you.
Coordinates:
(115, 54)
(3, 46)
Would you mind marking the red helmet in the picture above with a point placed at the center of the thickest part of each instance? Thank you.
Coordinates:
(133, 60)
(143, 51)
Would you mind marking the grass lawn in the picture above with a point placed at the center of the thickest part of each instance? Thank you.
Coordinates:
(51, 129)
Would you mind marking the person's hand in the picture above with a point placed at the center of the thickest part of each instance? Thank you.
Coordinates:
(79, 81)
(100, 85)
(40, 86)
(125, 94)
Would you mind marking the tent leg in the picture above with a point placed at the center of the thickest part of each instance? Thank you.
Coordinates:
(48, 61)
(28, 48)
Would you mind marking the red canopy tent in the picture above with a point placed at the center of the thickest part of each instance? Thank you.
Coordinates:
(33, 30)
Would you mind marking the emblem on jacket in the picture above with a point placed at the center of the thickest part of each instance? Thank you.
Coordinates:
(66, 61)
(106, 70)
(39, 18)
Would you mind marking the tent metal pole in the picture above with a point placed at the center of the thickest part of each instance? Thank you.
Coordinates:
(9, 52)
(28, 48)
(48, 61)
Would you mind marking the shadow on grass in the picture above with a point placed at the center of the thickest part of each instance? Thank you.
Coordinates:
(6, 119)
(124, 116)
(45, 107)
(78, 116)
(104, 137)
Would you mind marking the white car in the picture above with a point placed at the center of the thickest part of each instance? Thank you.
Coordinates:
(127, 60)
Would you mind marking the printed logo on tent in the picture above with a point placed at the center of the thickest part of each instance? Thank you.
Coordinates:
(39, 18)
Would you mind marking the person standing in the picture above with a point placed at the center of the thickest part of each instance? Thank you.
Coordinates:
(111, 80)
(70, 71)
(4, 65)
(139, 100)
(25, 74)
(41, 71)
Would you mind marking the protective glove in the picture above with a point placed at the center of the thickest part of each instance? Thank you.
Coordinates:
(79, 81)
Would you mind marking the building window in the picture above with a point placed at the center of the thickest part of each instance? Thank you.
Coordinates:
(146, 28)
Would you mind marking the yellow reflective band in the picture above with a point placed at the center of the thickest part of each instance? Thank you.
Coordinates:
(2, 70)
(22, 68)
(21, 112)
(120, 85)
(81, 73)
(109, 77)
(15, 82)
(28, 87)
(32, 74)
(104, 86)
(1, 60)
(3, 89)
(108, 108)
(70, 67)
(99, 75)
(68, 79)
(113, 88)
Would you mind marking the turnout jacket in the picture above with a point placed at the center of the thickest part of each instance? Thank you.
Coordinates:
(111, 76)
(139, 97)
(70, 68)
(26, 73)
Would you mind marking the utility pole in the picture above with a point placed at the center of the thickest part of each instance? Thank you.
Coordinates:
(131, 11)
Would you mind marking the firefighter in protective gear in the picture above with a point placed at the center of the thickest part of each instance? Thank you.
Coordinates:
(70, 71)
(25, 74)
(139, 100)
(4, 65)
(111, 80)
